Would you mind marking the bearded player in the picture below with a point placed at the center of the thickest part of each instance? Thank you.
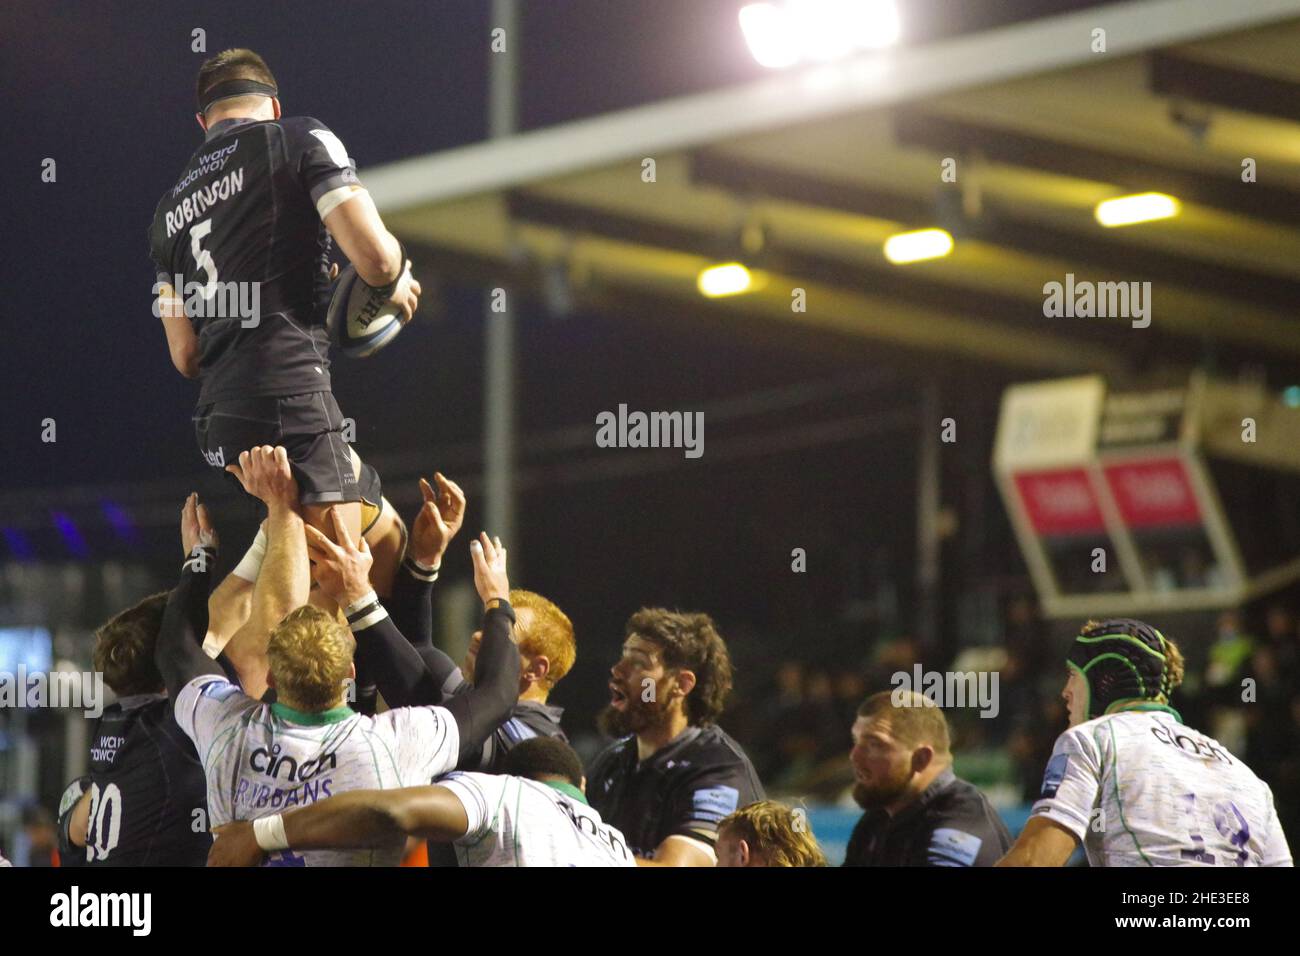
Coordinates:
(256, 209)
(1133, 784)
(675, 774)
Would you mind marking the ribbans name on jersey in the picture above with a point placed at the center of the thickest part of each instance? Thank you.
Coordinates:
(270, 763)
(201, 200)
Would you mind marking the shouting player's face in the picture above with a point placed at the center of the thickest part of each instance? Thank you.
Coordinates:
(882, 767)
(638, 689)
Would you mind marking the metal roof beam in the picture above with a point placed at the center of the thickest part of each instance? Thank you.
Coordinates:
(1175, 74)
(999, 227)
(869, 81)
(1228, 193)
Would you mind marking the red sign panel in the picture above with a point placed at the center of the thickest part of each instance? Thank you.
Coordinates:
(1060, 502)
(1153, 493)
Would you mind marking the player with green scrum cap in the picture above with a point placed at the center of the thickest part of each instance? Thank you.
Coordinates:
(1130, 782)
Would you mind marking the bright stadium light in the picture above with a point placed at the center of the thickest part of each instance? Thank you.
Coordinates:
(817, 30)
(763, 25)
(917, 246)
(1144, 207)
(729, 278)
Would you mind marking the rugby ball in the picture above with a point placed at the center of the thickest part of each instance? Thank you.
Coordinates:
(361, 321)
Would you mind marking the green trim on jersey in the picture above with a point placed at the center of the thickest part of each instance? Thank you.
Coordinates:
(566, 788)
(492, 827)
(331, 716)
(1142, 704)
(1118, 802)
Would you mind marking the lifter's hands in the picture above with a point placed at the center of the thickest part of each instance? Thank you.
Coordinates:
(235, 845)
(265, 473)
(341, 567)
(440, 517)
(489, 568)
(196, 527)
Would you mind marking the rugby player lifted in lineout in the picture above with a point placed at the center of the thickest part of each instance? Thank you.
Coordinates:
(258, 204)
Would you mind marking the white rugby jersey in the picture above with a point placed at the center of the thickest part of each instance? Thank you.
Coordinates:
(261, 759)
(514, 821)
(1141, 789)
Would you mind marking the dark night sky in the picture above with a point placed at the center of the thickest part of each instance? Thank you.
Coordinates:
(106, 90)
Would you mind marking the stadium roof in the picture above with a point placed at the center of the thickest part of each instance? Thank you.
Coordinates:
(823, 164)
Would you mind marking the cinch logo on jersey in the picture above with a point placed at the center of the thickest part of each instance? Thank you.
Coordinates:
(133, 910)
(60, 689)
(201, 200)
(271, 763)
(213, 299)
(1189, 744)
(588, 824)
(213, 162)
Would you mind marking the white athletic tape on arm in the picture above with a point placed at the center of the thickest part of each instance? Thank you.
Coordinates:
(213, 647)
(269, 833)
(331, 200)
(250, 565)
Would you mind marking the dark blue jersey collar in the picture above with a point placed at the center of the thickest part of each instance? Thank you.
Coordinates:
(222, 127)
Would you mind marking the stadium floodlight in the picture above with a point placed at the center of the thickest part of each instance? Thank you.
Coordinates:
(781, 35)
(1143, 207)
(728, 278)
(918, 245)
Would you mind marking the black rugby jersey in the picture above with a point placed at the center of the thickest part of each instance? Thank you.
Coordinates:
(245, 210)
(146, 784)
(528, 719)
(950, 824)
(683, 789)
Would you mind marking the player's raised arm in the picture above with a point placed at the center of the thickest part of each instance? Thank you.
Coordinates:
(411, 603)
(231, 601)
(282, 582)
(342, 569)
(355, 225)
(439, 520)
(361, 818)
(480, 711)
(401, 674)
(179, 653)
